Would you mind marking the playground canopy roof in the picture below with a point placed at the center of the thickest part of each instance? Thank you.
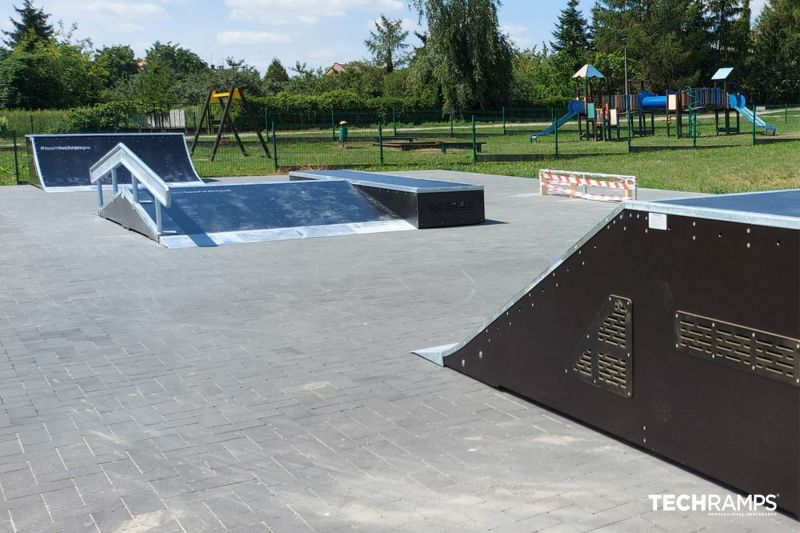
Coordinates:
(722, 74)
(588, 71)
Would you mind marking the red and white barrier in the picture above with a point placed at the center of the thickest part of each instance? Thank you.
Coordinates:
(570, 183)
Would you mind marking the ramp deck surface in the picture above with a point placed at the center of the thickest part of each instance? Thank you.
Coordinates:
(270, 386)
(214, 214)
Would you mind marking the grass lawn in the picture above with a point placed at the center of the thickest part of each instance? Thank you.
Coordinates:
(726, 163)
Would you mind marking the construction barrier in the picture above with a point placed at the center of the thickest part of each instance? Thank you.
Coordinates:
(570, 183)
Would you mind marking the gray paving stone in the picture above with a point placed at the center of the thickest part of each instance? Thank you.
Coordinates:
(268, 387)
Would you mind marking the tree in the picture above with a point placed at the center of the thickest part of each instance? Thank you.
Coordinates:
(276, 72)
(667, 40)
(32, 26)
(118, 62)
(387, 43)
(571, 35)
(466, 55)
(722, 24)
(46, 74)
(776, 53)
(181, 61)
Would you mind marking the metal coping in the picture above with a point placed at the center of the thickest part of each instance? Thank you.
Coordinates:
(177, 241)
(79, 188)
(388, 181)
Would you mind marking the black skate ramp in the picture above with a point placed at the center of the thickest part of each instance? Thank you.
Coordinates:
(674, 325)
(62, 162)
(213, 215)
(425, 203)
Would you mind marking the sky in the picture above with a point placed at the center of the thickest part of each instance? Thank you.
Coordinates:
(316, 32)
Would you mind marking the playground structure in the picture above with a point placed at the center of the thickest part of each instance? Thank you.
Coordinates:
(599, 115)
(660, 327)
(225, 124)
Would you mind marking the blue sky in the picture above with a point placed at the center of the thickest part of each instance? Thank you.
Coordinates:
(317, 32)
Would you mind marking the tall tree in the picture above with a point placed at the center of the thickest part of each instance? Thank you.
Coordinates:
(776, 53)
(571, 34)
(387, 43)
(180, 60)
(118, 62)
(722, 24)
(276, 72)
(666, 39)
(31, 26)
(466, 55)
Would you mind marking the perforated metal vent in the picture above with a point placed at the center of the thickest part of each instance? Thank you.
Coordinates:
(603, 358)
(447, 207)
(759, 352)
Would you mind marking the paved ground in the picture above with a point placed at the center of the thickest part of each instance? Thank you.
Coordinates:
(269, 386)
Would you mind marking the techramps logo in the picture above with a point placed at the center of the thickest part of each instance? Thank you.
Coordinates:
(716, 505)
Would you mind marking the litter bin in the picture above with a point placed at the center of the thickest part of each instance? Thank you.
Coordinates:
(342, 133)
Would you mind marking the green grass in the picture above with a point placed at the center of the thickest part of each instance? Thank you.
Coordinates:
(733, 165)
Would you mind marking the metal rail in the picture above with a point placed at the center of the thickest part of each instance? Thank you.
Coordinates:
(122, 156)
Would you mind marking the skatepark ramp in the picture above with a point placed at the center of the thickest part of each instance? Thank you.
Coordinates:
(674, 325)
(185, 214)
(62, 162)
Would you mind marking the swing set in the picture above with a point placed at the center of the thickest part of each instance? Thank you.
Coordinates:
(225, 100)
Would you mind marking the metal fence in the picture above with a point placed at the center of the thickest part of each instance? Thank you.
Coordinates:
(431, 139)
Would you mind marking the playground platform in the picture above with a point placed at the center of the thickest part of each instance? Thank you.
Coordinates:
(270, 386)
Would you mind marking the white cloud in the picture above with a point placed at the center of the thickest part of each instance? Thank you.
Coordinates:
(128, 27)
(305, 11)
(518, 33)
(246, 38)
(124, 9)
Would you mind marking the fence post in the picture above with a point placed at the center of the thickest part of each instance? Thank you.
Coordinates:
(474, 141)
(504, 120)
(452, 130)
(555, 128)
(630, 130)
(380, 139)
(266, 121)
(274, 147)
(16, 160)
(394, 123)
(786, 113)
(333, 125)
(32, 123)
(755, 117)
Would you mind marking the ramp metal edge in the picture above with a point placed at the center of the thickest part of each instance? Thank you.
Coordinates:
(456, 187)
(176, 241)
(710, 213)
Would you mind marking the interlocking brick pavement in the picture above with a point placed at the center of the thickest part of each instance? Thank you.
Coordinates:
(269, 386)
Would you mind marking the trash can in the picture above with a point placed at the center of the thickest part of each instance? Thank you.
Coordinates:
(342, 132)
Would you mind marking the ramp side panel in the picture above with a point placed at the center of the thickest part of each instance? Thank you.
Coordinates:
(728, 423)
(124, 212)
(63, 161)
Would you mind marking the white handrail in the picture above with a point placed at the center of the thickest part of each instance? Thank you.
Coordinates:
(121, 155)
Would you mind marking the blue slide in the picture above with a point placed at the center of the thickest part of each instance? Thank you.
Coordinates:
(738, 102)
(573, 110)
